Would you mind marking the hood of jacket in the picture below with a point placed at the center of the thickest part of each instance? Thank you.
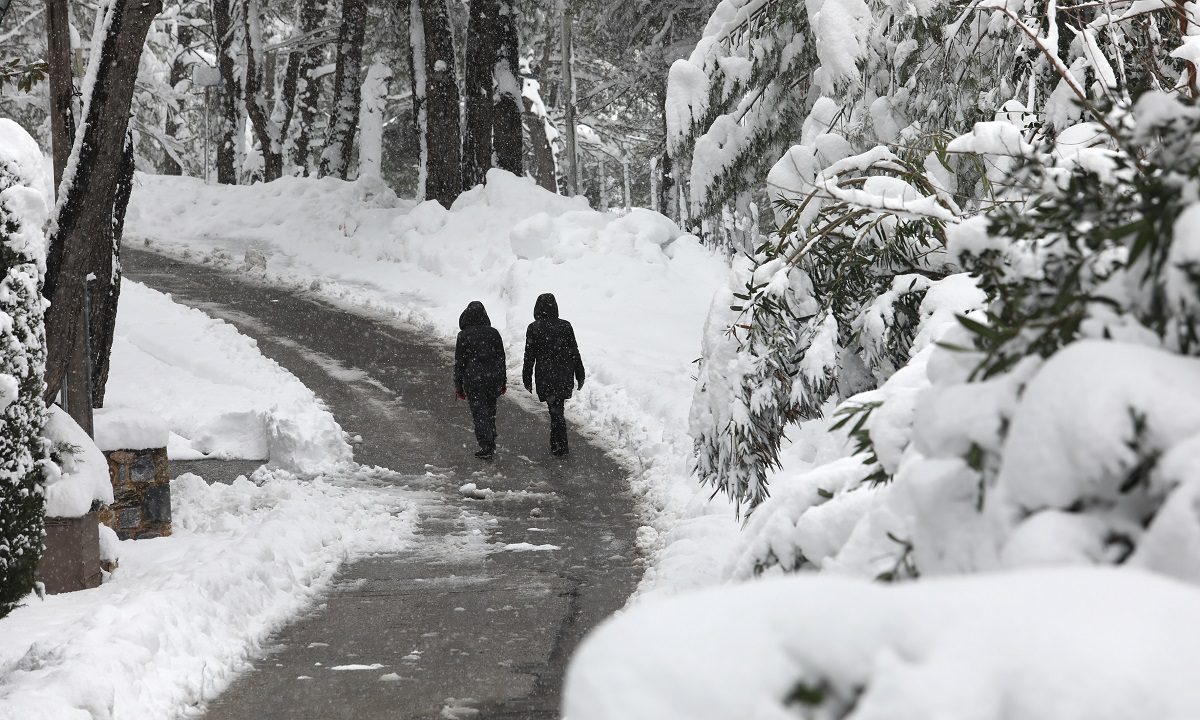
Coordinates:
(474, 316)
(546, 307)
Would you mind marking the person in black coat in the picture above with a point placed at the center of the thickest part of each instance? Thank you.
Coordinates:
(552, 360)
(480, 373)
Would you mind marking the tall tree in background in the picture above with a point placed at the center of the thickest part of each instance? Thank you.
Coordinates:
(343, 121)
(227, 115)
(506, 116)
(479, 83)
(180, 67)
(308, 91)
(81, 234)
(265, 131)
(416, 67)
(443, 174)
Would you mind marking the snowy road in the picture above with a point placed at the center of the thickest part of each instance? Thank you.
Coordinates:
(479, 619)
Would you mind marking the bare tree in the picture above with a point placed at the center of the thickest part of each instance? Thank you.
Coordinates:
(255, 96)
(227, 121)
(104, 290)
(179, 73)
(479, 84)
(343, 120)
(443, 174)
(506, 116)
(81, 235)
(308, 91)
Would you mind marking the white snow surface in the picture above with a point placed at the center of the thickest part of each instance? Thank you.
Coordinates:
(118, 428)
(218, 395)
(635, 287)
(169, 628)
(1078, 644)
(82, 477)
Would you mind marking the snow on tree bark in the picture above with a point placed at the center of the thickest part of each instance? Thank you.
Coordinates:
(506, 115)
(416, 65)
(477, 124)
(308, 93)
(444, 174)
(89, 187)
(227, 115)
(343, 121)
(374, 103)
(23, 450)
(265, 131)
(540, 155)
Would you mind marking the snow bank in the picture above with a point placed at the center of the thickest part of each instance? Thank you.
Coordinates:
(169, 627)
(216, 392)
(636, 288)
(82, 475)
(1036, 645)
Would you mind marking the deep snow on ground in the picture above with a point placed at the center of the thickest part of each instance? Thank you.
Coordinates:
(171, 625)
(1065, 644)
(220, 397)
(636, 288)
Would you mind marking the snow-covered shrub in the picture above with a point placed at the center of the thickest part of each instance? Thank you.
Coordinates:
(23, 451)
(828, 307)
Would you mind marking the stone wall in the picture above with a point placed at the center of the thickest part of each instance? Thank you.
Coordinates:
(142, 494)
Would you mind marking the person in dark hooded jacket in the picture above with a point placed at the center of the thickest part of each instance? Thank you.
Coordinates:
(552, 361)
(480, 373)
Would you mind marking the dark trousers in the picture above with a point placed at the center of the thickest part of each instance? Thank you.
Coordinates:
(558, 425)
(483, 412)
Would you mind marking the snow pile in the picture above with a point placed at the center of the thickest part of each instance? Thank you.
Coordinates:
(81, 475)
(218, 395)
(634, 286)
(168, 629)
(1037, 645)
(128, 429)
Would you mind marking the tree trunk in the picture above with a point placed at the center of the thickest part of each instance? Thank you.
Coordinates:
(477, 125)
(567, 98)
(227, 115)
(179, 73)
(444, 174)
(105, 290)
(82, 230)
(256, 104)
(370, 124)
(541, 155)
(58, 40)
(506, 116)
(308, 93)
(347, 90)
(416, 66)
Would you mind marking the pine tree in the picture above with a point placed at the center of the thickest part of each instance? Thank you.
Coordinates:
(22, 363)
(343, 119)
(482, 41)
(442, 138)
(506, 115)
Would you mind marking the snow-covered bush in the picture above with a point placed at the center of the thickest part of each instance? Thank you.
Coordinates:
(23, 451)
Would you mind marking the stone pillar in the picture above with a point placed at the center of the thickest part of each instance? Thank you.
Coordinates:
(141, 506)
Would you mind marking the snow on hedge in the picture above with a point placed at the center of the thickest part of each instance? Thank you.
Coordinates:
(169, 628)
(80, 478)
(218, 395)
(1079, 644)
(636, 288)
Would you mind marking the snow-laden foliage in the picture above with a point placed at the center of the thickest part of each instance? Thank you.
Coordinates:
(23, 450)
(768, 74)
(985, 343)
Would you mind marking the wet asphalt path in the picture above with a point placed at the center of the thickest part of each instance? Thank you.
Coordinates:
(460, 626)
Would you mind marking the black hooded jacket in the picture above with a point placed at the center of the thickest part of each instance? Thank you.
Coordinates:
(551, 353)
(479, 366)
